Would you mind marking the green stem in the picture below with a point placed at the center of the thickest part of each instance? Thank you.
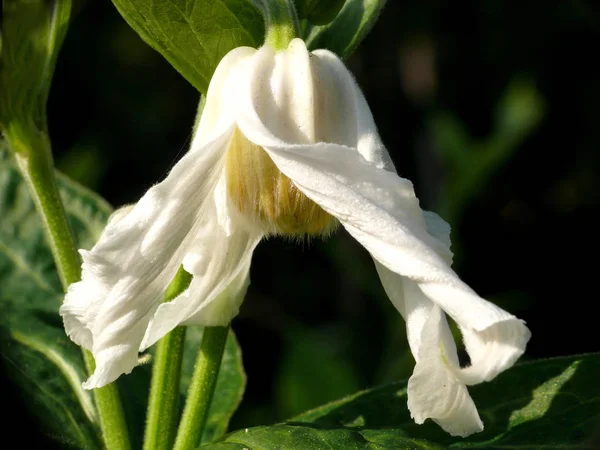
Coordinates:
(201, 389)
(281, 23)
(38, 170)
(112, 421)
(163, 404)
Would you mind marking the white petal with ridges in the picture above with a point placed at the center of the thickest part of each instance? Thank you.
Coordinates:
(219, 258)
(380, 210)
(350, 120)
(433, 389)
(126, 273)
(221, 94)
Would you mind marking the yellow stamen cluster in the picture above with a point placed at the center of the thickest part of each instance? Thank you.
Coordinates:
(259, 190)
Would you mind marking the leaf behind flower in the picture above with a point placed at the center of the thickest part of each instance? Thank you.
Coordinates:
(194, 36)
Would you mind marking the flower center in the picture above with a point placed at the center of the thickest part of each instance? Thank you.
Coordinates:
(259, 190)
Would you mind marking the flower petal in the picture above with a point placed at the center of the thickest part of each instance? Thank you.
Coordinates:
(381, 211)
(221, 97)
(405, 294)
(492, 349)
(219, 259)
(346, 115)
(433, 389)
(440, 230)
(300, 97)
(126, 273)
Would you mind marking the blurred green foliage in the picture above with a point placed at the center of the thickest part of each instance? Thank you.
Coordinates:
(470, 164)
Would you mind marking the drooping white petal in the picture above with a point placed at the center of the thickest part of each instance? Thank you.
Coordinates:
(440, 230)
(436, 389)
(125, 274)
(380, 210)
(219, 258)
(406, 295)
(376, 206)
(492, 349)
(433, 389)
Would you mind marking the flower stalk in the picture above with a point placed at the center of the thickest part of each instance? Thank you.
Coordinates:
(161, 423)
(281, 23)
(201, 388)
(37, 168)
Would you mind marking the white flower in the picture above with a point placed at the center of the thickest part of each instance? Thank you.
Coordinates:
(286, 145)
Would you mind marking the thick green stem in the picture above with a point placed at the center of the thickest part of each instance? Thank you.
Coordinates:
(38, 170)
(281, 23)
(163, 404)
(202, 388)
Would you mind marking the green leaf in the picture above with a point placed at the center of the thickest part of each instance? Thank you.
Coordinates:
(553, 403)
(194, 36)
(306, 437)
(32, 34)
(230, 384)
(347, 30)
(49, 371)
(39, 356)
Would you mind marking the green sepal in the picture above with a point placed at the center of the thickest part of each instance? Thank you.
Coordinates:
(347, 30)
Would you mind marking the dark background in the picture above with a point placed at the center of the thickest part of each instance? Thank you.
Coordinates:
(514, 79)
